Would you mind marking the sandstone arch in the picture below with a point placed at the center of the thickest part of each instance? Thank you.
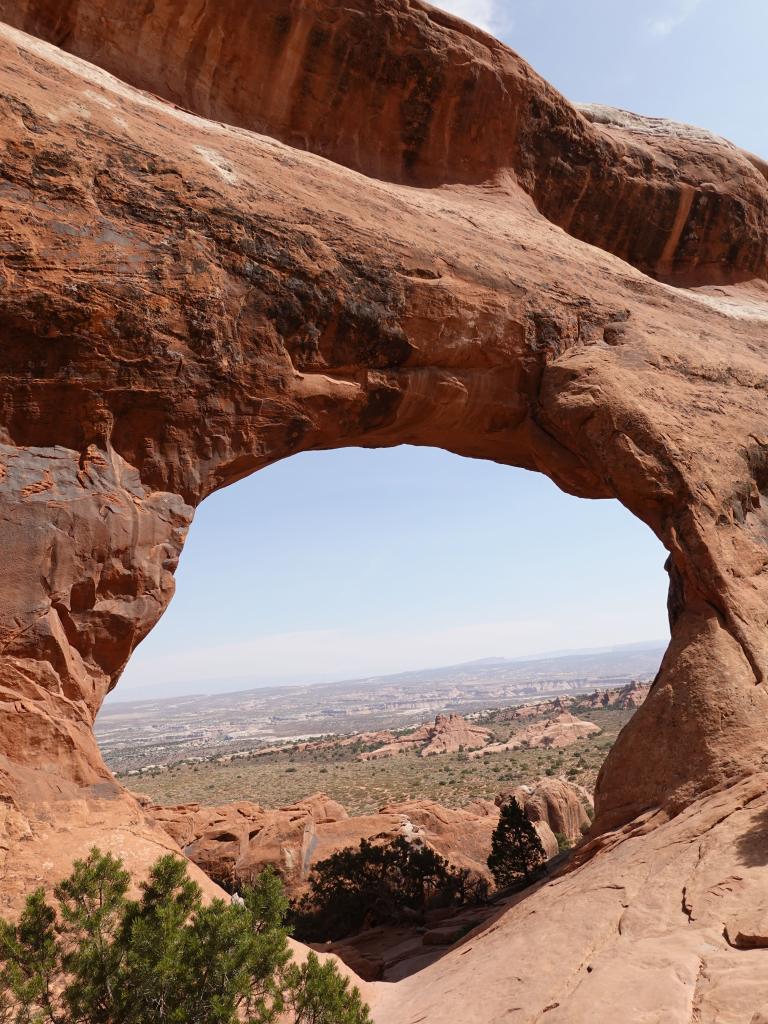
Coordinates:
(184, 301)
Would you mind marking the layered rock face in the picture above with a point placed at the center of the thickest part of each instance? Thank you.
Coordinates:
(404, 93)
(358, 223)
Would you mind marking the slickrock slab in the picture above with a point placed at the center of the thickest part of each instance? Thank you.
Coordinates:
(634, 934)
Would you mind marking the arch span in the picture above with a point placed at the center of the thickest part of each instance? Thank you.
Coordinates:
(184, 303)
(406, 93)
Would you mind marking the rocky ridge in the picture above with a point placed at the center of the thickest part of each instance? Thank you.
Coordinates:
(560, 731)
(450, 733)
(233, 842)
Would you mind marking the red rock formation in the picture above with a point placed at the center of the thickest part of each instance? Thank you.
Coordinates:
(640, 932)
(449, 734)
(183, 301)
(191, 302)
(561, 731)
(562, 805)
(232, 843)
(453, 733)
(451, 105)
(624, 698)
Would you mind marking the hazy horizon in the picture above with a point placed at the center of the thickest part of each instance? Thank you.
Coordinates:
(221, 687)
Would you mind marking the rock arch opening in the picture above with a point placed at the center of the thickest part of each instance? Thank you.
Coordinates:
(361, 565)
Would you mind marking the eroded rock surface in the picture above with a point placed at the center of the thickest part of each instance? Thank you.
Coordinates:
(449, 734)
(234, 842)
(365, 223)
(565, 807)
(186, 302)
(640, 932)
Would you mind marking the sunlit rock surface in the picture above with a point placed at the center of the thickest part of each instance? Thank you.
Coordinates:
(327, 224)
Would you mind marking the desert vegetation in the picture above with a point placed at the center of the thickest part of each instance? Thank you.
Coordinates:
(99, 957)
(380, 883)
(452, 779)
(516, 849)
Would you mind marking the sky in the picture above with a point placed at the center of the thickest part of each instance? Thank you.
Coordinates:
(335, 565)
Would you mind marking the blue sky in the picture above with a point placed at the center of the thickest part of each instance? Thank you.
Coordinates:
(332, 565)
(338, 564)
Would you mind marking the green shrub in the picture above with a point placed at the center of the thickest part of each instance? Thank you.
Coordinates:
(563, 842)
(164, 958)
(318, 994)
(379, 883)
(516, 850)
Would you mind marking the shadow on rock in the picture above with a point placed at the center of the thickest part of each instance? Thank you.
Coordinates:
(752, 846)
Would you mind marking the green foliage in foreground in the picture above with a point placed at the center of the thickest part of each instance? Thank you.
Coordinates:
(164, 958)
(318, 994)
(380, 883)
(516, 850)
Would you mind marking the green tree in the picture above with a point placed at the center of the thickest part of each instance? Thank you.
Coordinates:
(164, 958)
(318, 994)
(378, 883)
(516, 849)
